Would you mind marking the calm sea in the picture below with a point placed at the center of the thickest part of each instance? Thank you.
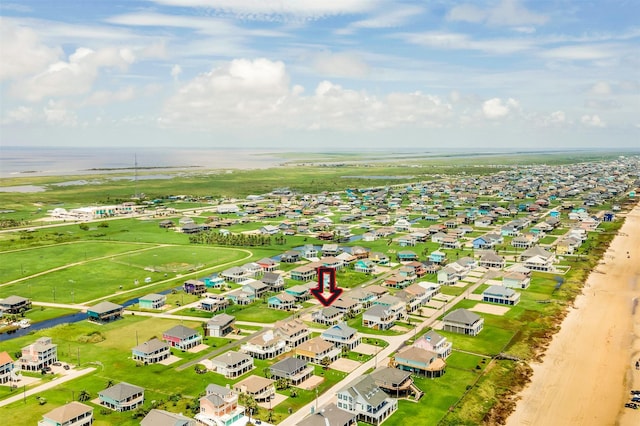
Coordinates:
(25, 161)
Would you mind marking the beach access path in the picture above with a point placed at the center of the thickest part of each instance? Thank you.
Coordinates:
(589, 367)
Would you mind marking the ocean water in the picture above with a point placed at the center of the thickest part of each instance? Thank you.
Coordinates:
(46, 161)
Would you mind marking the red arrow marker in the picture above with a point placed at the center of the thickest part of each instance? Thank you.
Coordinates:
(326, 276)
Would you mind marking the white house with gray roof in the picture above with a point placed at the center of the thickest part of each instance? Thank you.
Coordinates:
(330, 415)
(122, 397)
(463, 321)
(342, 336)
(232, 364)
(367, 401)
(501, 295)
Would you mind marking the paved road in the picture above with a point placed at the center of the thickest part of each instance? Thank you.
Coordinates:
(46, 386)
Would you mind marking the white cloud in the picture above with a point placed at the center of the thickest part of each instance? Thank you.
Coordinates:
(257, 94)
(507, 13)
(601, 88)
(458, 41)
(497, 108)
(582, 52)
(389, 18)
(21, 114)
(592, 121)
(56, 113)
(103, 97)
(22, 52)
(176, 70)
(73, 77)
(278, 9)
(343, 64)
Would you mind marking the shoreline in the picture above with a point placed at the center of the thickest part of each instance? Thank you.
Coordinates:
(589, 367)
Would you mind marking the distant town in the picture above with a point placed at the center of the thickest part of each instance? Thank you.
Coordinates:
(196, 310)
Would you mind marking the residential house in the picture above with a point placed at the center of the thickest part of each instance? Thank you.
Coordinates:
(254, 287)
(378, 317)
(450, 274)
(6, 367)
(38, 355)
(309, 251)
(282, 301)
(333, 262)
(327, 316)
(407, 256)
(232, 364)
(71, 414)
(317, 349)
(299, 292)
(251, 270)
(435, 342)
(14, 304)
(219, 407)
(331, 250)
(438, 257)
(419, 361)
(260, 388)
(122, 397)
(516, 279)
(463, 321)
(156, 417)
(365, 266)
(214, 303)
(152, 301)
(343, 336)
(220, 325)
(396, 383)
(234, 274)
(491, 259)
(293, 331)
(347, 305)
(182, 337)
(379, 258)
(307, 272)
(196, 287)
(240, 297)
(151, 352)
(214, 281)
(365, 399)
(396, 305)
(537, 259)
(269, 230)
(295, 370)
(104, 312)
(291, 256)
(267, 264)
(330, 415)
(363, 296)
(501, 295)
(521, 241)
(265, 345)
(397, 280)
(360, 252)
(273, 280)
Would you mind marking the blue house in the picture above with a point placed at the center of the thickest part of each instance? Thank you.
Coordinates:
(608, 217)
(554, 213)
(437, 256)
(479, 243)
(214, 281)
(407, 256)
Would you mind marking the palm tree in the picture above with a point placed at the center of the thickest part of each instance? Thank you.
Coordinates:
(84, 396)
(325, 362)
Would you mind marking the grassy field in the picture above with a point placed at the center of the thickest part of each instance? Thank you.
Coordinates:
(93, 279)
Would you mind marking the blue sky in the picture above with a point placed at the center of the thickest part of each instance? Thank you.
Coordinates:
(308, 74)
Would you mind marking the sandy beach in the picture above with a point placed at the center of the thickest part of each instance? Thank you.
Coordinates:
(589, 367)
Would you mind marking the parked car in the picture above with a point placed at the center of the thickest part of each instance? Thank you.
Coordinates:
(57, 364)
(66, 366)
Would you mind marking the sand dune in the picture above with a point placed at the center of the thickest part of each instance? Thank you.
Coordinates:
(589, 367)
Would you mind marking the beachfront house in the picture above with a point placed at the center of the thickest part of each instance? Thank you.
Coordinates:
(259, 388)
(501, 295)
(419, 361)
(463, 321)
(435, 342)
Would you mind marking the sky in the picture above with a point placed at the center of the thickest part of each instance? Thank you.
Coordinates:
(321, 74)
